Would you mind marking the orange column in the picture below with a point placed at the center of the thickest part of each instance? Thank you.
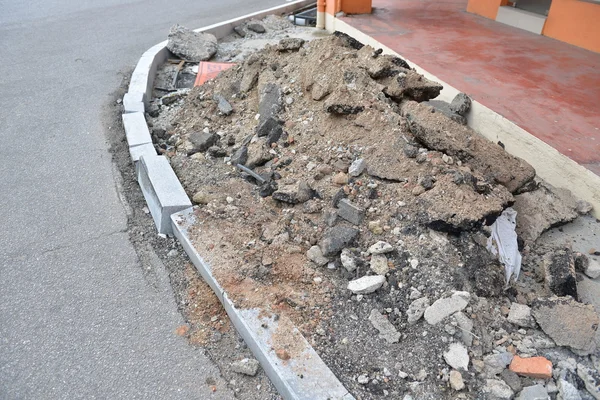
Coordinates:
(575, 22)
(485, 8)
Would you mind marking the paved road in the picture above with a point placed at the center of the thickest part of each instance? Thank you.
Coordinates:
(77, 318)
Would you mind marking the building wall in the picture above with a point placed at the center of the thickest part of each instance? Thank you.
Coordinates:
(575, 22)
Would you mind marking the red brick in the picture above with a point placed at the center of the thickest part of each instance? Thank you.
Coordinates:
(534, 367)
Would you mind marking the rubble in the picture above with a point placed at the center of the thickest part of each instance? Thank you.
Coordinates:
(246, 366)
(461, 104)
(366, 284)
(416, 309)
(457, 356)
(591, 379)
(542, 209)
(535, 392)
(567, 322)
(325, 160)
(559, 273)
(520, 315)
(191, 46)
(443, 308)
(387, 331)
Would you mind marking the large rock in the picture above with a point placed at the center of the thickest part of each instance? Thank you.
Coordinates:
(568, 322)
(191, 46)
(543, 209)
(445, 307)
(337, 238)
(387, 331)
(438, 132)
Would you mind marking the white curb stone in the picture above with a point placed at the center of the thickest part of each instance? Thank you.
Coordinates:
(133, 102)
(136, 129)
(162, 190)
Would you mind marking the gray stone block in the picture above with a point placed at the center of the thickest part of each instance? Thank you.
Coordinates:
(162, 190)
(350, 212)
(133, 102)
(136, 129)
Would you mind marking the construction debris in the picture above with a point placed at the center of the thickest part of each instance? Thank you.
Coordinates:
(329, 193)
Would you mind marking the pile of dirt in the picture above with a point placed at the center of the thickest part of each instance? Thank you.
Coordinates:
(328, 193)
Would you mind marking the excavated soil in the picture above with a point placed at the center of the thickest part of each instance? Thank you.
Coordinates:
(303, 113)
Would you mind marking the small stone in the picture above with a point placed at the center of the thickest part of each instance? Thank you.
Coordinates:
(414, 263)
(495, 363)
(445, 307)
(520, 315)
(457, 356)
(282, 354)
(381, 247)
(340, 178)
(336, 239)
(456, 380)
(567, 390)
(466, 326)
(256, 27)
(223, 105)
(411, 151)
(461, 104)
(418, 190)
(349, 260)
(315, 255)
(375, 227)
(290, 44)
(402, 375)
(416, 309)
(366, 284)
(387, 331)
(172, 253)
(246, 366)
(583, 207)
(512, 380)
(363, 379)
(201, 198)
(240, 156)
(497, 390)
(201, 141)
(379, 264)
(357, 167)
(350, 212)
(559, 272)
(535, 392)
(593, 268)
(534, 367)
(591, 379)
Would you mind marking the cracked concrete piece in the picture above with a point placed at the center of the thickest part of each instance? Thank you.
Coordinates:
(386, 330)
(445, 307)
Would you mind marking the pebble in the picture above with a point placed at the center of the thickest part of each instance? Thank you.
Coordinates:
(593, 269)
(497, 390)
(366, 284)
(381, 247)
(416, 309)
(387, 331)
(340, 178)
(456, 380)
(379, 264)
(414, 263)
(349, 260)
(375, 227)
(363, 379)
(201, 198)
(457, 356)
(466, 326)
(172, 253)
(357, 167)
(445, 307)
(315, 255)
(246, 366)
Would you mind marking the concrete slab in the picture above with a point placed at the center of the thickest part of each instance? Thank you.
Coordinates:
(137, 152)
(136, 129)
(162, 190)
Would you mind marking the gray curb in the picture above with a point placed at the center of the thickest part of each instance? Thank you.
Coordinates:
(304, 376)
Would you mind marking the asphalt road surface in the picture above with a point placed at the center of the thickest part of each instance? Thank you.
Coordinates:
(78, 319)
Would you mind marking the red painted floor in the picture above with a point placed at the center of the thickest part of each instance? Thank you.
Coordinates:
(549, 88)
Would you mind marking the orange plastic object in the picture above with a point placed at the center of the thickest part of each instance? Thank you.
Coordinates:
(210, 70)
